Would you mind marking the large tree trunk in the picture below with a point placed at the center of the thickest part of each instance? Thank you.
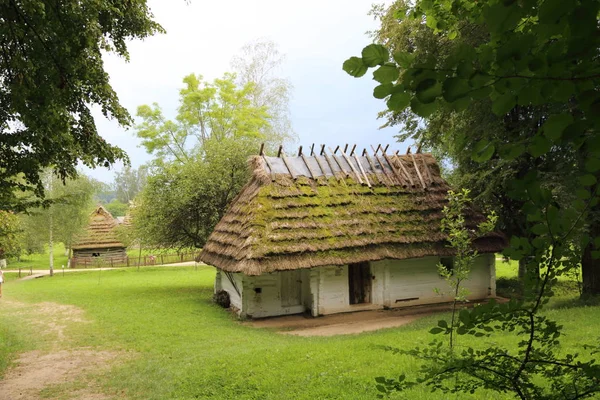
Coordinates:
(590, 270)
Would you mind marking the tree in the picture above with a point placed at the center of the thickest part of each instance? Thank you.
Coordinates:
(129, 182)
(10, 230)
(534, 53)
(181, 204)
(442, 130)
(256, 65)
(201, 157)
(117, 208)
(51, 74)
(217, 111)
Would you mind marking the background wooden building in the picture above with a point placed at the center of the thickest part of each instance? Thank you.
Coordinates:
(99, 241)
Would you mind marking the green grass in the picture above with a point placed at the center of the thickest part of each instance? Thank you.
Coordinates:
(182, 346)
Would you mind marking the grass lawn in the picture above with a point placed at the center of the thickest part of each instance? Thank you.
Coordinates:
(179, 345)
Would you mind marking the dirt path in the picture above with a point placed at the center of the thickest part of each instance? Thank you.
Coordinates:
(59, 371)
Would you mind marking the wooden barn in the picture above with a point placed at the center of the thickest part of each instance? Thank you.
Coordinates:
(333, 233)
(99, 241)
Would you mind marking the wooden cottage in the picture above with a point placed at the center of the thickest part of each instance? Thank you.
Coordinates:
(99, 241)
(334, 233)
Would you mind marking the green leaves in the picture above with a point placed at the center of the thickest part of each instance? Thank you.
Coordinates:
(383, 90)
(483, 151)
(555, 125)
(398, 101)
(387, 73)
(504, 103)
(428, 90)
(355, 67)
(455, 88)
(375, 54)
(404, 59)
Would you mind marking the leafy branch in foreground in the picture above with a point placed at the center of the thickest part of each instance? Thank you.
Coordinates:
(531, 53)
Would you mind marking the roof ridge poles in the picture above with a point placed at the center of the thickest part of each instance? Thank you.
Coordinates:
(287, 165)
(362, 170)
(320, 165)
(418, 172)
(401, 167)
(382, 166)
(372, 164)
(429, 177)
(330, 163)
(394, 170)
(312, 174)
(270, 167)
(352, 167)
(338, 162)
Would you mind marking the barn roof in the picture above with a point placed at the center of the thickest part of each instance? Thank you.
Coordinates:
(328, 209)
(100, 232)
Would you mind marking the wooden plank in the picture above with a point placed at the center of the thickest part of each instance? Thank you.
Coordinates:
(405, 171)
(418, 172)
(352, 167)
(312, 174)
(270, 168)
(383, 167)
(429, 177)
(396, 172)
(321, 168)
(338, 164)
(362, 170)
(330, 163)
(372, 164)
(288, 166)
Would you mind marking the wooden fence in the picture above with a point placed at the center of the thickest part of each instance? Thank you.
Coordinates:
(148, 260)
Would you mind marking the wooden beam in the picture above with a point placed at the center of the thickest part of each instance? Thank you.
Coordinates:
(279, 151)
(262, 148)
(374, 150)
(270, 167)
(352, 151)
(288, 166)
(386, 147)
(372, 164)
(346, 148)
(333, 152)
(312, 174)
(428, 172)
(396, 172)
(330, 163)
(312, 150)
(321, 167)
(352, 168)
(299, 151)
(418, 172)
(322, 149)
(340, 165)
(362, 170)
(383, 167)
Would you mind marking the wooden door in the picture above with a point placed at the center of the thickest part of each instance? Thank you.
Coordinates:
(291, 288)
(359, 283)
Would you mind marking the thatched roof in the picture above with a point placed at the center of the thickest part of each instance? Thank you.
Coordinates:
(310, 211)
(100, 232)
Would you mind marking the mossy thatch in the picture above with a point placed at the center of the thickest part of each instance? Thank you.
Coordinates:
(287, 221)
(100, 232)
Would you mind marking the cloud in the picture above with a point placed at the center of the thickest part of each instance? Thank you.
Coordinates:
(328, 106)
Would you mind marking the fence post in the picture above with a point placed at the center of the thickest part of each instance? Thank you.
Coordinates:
(19, 272)
(30, 270)
(127, 260)
(111, 263)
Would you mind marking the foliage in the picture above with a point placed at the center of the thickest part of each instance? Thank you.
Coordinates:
(66, 216)
(460, 239)
(181, 204)
(10, 232)
(532, 54)
(117, 208)
(218, 111)
(129, 182)
(52, 74)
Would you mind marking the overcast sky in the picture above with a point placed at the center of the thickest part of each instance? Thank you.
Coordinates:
(328, 106)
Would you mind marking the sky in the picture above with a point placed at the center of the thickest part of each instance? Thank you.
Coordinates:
(327, 106)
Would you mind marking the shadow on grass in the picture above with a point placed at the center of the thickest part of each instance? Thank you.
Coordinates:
(566, 293)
